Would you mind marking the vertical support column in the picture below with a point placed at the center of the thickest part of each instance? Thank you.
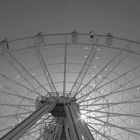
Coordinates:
(78, 128)
(67, 130)
(81, 125)
(72, 125)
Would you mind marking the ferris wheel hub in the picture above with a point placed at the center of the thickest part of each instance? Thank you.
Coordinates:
(62, 101)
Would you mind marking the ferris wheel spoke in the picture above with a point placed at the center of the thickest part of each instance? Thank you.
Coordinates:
(105, 71)
(20, 69)
(8, 91)
(119, 133)
(27, 76)
(95, 123)
(124, 121)
(124, 131)
(84, 69)
(14, 115)
(47, 74)
(7, 128)
(116, 126)
(123, 86)
(19, 84)
(131, 101)
(23, 110)
(33, 137)
(120, 116)
(114, 114)
(65, 66)
(102, 125)
(115, 90)
(100, 133)
(16, 105)
(128, 90)
(17, 95)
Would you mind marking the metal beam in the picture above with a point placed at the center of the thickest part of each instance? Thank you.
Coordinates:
(105, 72)
(84, 70)
(116, 80)
(27, 76)
(101, 134)
(17, 95)
(72, 125)
(84, 130)
(38, 43)
(77, 127)
(98, 98)
(116, 126)
(65, 67)
(18, 83)
(23, 127)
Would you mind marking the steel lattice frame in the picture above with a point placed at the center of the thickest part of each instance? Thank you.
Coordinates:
(101, 71)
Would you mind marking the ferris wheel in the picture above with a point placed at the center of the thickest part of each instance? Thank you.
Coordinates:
(70, 86)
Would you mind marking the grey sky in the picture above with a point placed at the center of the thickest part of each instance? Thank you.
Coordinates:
(28, 17)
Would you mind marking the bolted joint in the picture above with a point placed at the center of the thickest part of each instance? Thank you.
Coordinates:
(39, 39)
(74, 36)
(4, 45)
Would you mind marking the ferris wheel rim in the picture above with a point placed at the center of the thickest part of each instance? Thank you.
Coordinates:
(97, 45)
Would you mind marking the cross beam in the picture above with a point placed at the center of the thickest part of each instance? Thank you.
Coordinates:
(25, 125)
(67, 122)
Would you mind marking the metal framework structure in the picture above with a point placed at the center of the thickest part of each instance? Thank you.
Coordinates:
(70, 86)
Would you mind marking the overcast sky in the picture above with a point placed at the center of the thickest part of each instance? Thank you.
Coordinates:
(27, 17)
